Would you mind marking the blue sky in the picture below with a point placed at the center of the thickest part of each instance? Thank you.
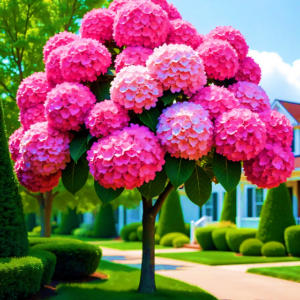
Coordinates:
(271, 29)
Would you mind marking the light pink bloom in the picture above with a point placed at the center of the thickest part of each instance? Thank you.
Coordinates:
(250, 96)
(271, 167)
(84, 60)
(233, 36)
(219, 58)
(33, 182)
(126, 158)
(215, 100)
(173, 12)
(53, 68)
(98, 24)
(141, 23)
(183, 32)
(249, 71)
(14, 143)
(240, 134)
(32, 115)
(134, 88)
(177, 67)
(59, 39)
(132, 56)
(45, 150)
(105, 118)
(67, 105)
(185, 130)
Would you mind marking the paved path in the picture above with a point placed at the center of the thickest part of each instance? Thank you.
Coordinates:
(224, 282)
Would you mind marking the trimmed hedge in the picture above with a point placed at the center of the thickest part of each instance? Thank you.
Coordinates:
(204, 238)
(229, 207)
(187, 229)
(127, 229)
(20, 277)
(157, 239)
(251, 247)
(273, 249)
(292, 240)
(49, 261)
(44, 240)
(80, 232)
(133, 236)
(167, 240)
(219, 239)
(75, 260)
(139, 233)
(179, 241)
(235, 237)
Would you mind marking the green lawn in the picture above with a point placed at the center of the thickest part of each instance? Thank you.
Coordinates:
(215, 258)
(122, 284)
(127, 245)
(288, 273)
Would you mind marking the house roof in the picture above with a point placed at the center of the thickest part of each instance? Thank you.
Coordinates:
(292, 107)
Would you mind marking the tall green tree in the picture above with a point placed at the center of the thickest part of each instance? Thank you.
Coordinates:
(229, 207)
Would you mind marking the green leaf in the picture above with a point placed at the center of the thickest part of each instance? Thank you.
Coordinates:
(106, 195)
(111, 71)
(78, 146)
(198, 187)
(169, 97)
(75, 175)
(154, 187)
(101, 90)
(89, 137)
(150, 117)
(178, 170)
(227, 172)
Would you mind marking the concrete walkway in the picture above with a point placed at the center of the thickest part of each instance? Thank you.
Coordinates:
(224, 282)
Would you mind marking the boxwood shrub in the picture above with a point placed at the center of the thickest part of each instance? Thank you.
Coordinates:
(133, 237)
(235, 237)
(204, 238)
(273, 249)
(20, 277)
(139, 233)
(74, 260)
(127, 229)
(167, 239)
(179, 241)
(157, 239)
(43, 240)
(292, 240)
(219, 239)
(251, 247)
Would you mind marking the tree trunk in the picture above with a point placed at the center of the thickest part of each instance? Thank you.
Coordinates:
(147, 281)
(48, 209)
(41, 201)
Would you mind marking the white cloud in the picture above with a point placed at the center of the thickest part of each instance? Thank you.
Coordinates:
(279, 79)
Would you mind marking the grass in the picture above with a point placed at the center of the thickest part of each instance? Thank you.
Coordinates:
(122, 284)
(291, 273)
(127, 245)
(215, 258)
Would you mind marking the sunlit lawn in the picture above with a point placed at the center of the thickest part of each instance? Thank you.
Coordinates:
(126, 245)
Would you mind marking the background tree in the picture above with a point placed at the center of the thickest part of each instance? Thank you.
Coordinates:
(229, 207)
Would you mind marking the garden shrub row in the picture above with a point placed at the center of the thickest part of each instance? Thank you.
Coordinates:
(292, 240)
(168, 239)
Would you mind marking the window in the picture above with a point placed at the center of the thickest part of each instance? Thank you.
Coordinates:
(259, 200)
(250, 202)
(293, 142)
(255, 200)
(210, 208)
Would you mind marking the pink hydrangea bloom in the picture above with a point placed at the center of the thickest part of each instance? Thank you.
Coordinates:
(249, 71)
(32, 115)
(132, 56)
(173, 12)
(67, 105)
(116, 5)
(278, 127)
(33, 90)
(273, 166)
(14, 143)
(33, 182)
(215, 100)
(126, 158)
(186, 130)
(45, 150)
(183, 32)
(219, 58)
(105, 118)
(134, 88)
(84, 60)
(240, 134)
(98, 24)
(53, 68)
(141, 23)
(59, 39)
(177, 67)
(233, 36)
(250, 96)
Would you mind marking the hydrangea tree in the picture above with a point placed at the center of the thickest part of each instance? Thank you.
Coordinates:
(142, 100)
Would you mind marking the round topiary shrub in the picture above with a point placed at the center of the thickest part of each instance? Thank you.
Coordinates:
(273, 249)
(74, 260)
(127, 229)
(219, 239)
(80, 232)
(180, 241)
(44, 240)
(251, 247)
(167, 239)
(157, 239)
(139, 233)
(292, 240)
(204, 238)
(133, 237)
(235, 237)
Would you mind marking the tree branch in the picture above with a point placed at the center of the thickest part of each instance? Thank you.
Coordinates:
(37, 197)
(8, 91)
(161, 199)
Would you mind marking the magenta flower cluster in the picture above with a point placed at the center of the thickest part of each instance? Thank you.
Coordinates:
(53, 67)
(249, 71)
(14, 143)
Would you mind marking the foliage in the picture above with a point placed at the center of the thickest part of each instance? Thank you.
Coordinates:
(251, 247)
(292, 240)
(127, 229)
(229, 207)
(219, 239)
(157, 239)
(133, 236)
(276, 215)
(204, 238)
(139, 232)
(43, 240)
(69, 221)
(273, 249)
(13, 239)
(20, 277)
(30, 221)
(167, 239)
(187, 229)
(235, 238)
(80, 232)
(74, 260)
(179, 241)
